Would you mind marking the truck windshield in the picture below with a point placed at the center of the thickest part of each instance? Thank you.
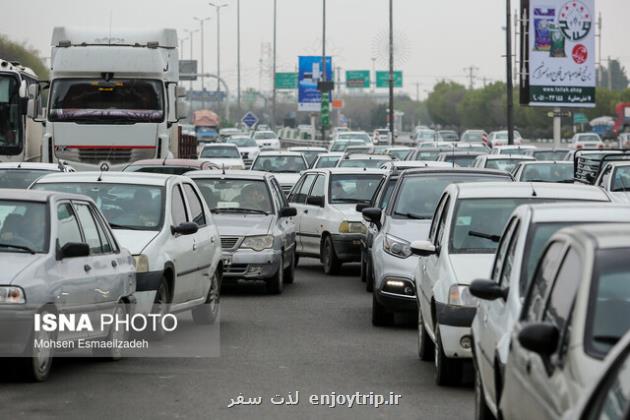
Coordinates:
(114, 101)
(10, 118)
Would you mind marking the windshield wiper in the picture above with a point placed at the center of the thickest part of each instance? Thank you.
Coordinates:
(239, 210)
(493, 238)
(350, 200)
(285, 171)
(21, 247)
(116, 226)
(608, 339)
(412, 216)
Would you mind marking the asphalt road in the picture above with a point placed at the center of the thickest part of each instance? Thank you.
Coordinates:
(316, 338)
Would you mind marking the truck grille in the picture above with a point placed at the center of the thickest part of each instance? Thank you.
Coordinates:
(229, 242)
(96, 155)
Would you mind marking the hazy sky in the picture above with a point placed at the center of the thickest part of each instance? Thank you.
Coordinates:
(436, 39)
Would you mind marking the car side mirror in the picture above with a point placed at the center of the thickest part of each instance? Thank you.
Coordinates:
(186, 228)
(181, 110)
(23, 91)
(361, 206)
(315, 201)
(540, 338)
(488, 290)
(74, 250)
(373, 215)
(287, 212)
(423, 248)
(33, 91)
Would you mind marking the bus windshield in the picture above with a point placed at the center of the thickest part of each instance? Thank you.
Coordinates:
(10, 119)
(117, 100)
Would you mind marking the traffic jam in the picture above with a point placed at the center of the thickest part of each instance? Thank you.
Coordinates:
(193, 248)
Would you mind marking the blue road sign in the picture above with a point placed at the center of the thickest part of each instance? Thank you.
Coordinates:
(250, 119)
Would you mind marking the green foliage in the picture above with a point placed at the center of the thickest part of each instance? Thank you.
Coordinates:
(27, 56)
(614, 76)
(444, 101)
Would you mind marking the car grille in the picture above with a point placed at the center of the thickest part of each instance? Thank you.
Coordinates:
(96, 155)
(229, 242)
(248, 163)
(235, 269)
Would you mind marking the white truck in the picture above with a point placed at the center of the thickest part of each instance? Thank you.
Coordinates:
(20, 137)
(112, 98)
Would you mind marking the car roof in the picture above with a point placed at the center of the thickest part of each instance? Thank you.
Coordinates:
(170, 162)
(279, 153)
(419, 163)
(552, 149)
(546, 162)
(229, 174)
(508, 157)
(459, 154)
(569, 212)
(307, 149)
(600, 235)
(209, 145)
(139, 178)
(38, 195)
(31, 165)
(365, 156)
(516, 146)
(450, 169)
(616, 163)
(349, 171)
(331, 154)
(528, 189)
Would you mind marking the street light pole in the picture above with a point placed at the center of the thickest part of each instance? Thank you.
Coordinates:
(218, 8)
(203, 70)
(238, 55)
(275, 40)
(391, 70)
(510, 82)
(324, 92)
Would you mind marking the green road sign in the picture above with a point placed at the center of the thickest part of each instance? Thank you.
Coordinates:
(358, 79)
(286, 80)
(382, 79)
(325, 111)
(579, 118)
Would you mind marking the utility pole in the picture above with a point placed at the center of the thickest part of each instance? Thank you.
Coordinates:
(609, 75)
(598, 35)
(190, 36)
(373, 84)
(275, 40)
(238, 55)
(391, 70)
(181, 47)
(203, 70)
(218, 8)
(471, 76)
(509, 80)
(417, 91)
(324, 93)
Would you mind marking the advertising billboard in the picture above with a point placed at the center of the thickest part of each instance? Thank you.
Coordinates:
(558, 67)
(309, 75)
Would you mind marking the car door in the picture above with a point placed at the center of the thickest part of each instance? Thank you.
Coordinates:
(491, 313)
(181, 248)
(297, 198)
(285, 226)
(519, 398)
(312, 225)
(204, 243)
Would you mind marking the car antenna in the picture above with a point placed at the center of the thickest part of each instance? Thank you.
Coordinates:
(19, 165)
(60, 166)
(164, 161)
(534, 194)
(223, 168)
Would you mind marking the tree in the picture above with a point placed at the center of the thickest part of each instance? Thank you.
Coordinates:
(27, 56)
(614, 76)
(443, 103)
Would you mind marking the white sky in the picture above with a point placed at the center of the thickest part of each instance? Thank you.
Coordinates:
(437, 38)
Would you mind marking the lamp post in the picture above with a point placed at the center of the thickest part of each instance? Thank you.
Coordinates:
(391, 70)
(238, 55)
(203, 70)
(324, 92)
(191, 34)
(273, 94)
(218, 8)
(509, 80)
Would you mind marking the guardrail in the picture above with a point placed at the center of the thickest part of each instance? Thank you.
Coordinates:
(286, 143)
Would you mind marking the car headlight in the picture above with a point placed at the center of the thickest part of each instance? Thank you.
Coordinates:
(460, 295)
(258, 243)
(141, 262)
(397, 247)
(12, 295)
(352, 227)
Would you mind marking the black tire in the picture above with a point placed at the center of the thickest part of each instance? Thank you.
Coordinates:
(363, 267)
(369, 283)
(289, 272)
(207, 313)
(35, 367)
(160, 306)
(297, 259)
(329, 259)
(426, 348)
(114, 353)
(448, 371)
(482, 412)
(380, 316)
(275, 284)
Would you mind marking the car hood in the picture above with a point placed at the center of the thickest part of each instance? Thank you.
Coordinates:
(349, 211)
(226, 162)
(242, 224)
(134, 240)
(620, 197)
(13, 263)
(251, 150)
(287, 179)
(469, 267)
(409, 230)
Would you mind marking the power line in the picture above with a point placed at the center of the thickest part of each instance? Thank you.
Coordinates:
(471, 75)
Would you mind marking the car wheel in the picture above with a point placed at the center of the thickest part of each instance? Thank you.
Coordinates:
(289, 272)
(369, 280)
(482, 412)
(426, 348)
(36, 367)
(329, 258)
(207, 313)
(115, 335)
(363, 267)
(275, 285)
(447, 370)
(160, 308)
(297, 259)
(381, 317)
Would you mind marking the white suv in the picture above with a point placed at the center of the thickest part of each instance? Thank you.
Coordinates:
(165, 223)
(328, 225)
(462, 240)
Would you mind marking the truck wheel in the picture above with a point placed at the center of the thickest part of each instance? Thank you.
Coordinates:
(447, 371)
(275, 285)
(329, 258)
(207, 313)
(289, 272)
(380, 316)
(160, 307)
(426, 348)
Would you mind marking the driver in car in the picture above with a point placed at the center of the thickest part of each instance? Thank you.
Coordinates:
(253, 198)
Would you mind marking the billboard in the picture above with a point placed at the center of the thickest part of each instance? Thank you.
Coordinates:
(309, 75)
(559, 58)
(187, 69)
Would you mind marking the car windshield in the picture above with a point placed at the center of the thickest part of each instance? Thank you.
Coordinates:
(478, 223)
(621, 179)
(161, 169)
(310, 155)
(387, 193)
(20, 178)
(341, 146)
(463, 161)
(507, 165)
(10, 126)
(220, 152)
(361, 163)
(363, 137)
(351, 188)
(418, 195)
(473, 136)
(242, 141)
(399, 154)
(548, 172)
(473, 148)
(425, 135)
(549, 154)
(265, 136)
(280, 164)
(588, 138)
(125, 206)
(608, 317)
(448, 136)
(24, 227)
(116, 100)
(427, 155)
(236, 195)
(327, 161)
